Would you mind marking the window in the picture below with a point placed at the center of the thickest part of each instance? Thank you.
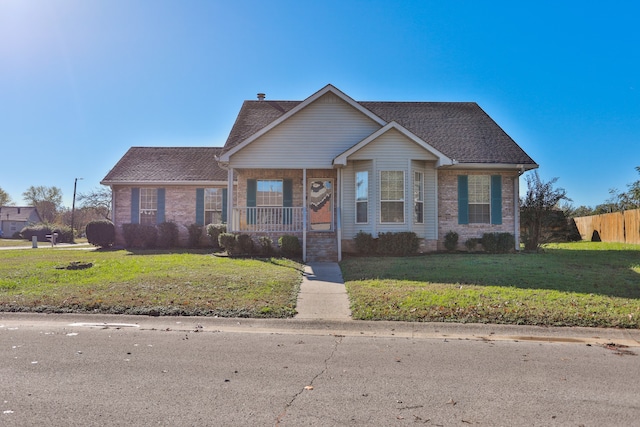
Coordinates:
(148, 205)
(479, 199)
(418, 198)
(362, 197)
(392, 196)
(213, 205)
(269, 193)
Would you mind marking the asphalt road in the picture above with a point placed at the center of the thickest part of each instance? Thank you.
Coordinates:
(117, 371)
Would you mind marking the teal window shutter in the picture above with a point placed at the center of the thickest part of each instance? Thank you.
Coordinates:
(135, 206)
(496, 199)
(251, 201)
(287, 200)
(224, 205)
(200, 206)
(463, 199)
(160, 207)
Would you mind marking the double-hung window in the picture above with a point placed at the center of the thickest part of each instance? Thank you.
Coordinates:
(418, 197)
(213, 205)
(269, 194)
(362, 197)
(148, 205)
(392, 196)
(479, 199)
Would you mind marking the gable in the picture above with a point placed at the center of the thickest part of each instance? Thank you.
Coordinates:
(311, 137)
(393, 144)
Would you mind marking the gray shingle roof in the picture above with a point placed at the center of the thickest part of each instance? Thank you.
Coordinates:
(167, 164)
(460, 130)
(19, 213)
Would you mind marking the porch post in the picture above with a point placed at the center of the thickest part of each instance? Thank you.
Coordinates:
(304, 215)
(230, 224)
(339, 214)
(516, 211)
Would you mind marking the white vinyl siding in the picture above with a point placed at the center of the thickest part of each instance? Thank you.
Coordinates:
(350, 228)
(311, 138)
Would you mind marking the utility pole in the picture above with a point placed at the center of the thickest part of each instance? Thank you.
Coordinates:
(73, 211)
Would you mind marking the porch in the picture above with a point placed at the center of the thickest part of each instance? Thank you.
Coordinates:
(316, 233)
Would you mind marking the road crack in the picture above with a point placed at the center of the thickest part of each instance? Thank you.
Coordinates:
(309, 386)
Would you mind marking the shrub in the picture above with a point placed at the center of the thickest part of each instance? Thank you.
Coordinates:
(228, 242)
(266, 245)
(498, 242)
(167, 235)
(140, 235)
(214, 231)
(195, 235)
(101, 233)
(39, 230)
(290, 246)
(365, 243)
(65, 234)
(245, 244)
(43, 229)
(402, 243)
(471, 244)
(451, 241)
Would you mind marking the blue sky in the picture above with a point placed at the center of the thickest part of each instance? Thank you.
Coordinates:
(82, 81)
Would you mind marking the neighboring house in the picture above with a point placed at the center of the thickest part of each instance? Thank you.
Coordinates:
(14, 218)
(327, 167)
(184, 185)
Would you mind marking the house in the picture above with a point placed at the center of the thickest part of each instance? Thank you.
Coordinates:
(14, 218)
(184, 185)
(327, 167)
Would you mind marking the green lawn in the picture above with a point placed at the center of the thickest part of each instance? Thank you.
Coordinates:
(584, 283)
(146, 282)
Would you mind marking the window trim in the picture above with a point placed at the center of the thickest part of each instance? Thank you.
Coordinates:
(420, 199)
(473, 195)
(207, 197)
(365, 201)
(258, 204)
(403, 200)
(141, 210)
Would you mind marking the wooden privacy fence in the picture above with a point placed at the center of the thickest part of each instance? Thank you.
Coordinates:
(623, 227)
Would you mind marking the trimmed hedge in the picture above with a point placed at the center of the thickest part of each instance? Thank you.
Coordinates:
(140, 235)
(498, 243)
(101, 233)
(365, 243)
(402, 243)
(290, 246)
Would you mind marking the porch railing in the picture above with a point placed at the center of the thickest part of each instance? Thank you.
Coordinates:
(268, 219)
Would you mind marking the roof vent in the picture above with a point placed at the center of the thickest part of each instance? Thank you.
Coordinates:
(261, 96)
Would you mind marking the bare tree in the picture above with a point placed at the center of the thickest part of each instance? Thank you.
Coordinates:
(98, 199)
(48, 201)
(540, 200)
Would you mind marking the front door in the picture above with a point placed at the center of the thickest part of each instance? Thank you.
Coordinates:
(320, 204)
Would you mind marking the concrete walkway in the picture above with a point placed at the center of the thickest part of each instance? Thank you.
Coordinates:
(322, 293)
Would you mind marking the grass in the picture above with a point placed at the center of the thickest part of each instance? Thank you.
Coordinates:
(147, 282)
(572, 284)
(5, 243)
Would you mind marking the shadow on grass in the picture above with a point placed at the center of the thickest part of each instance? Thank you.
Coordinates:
(603, 272)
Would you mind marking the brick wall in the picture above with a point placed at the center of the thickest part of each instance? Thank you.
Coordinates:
(448, 206)
(180, 208)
